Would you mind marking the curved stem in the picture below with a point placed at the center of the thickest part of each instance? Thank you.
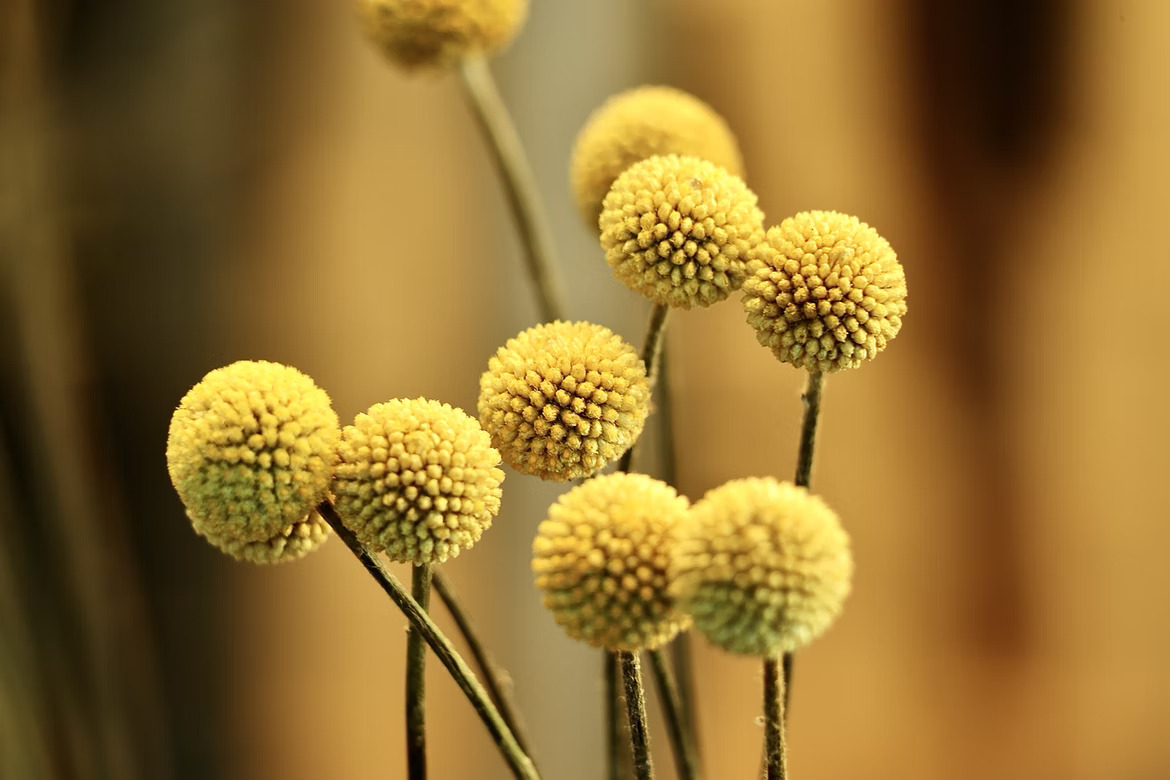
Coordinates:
(636, 709)
(520, 184)
(517, 759)
(775, 753)
(651, 350)
(416, 667)
(681, 743)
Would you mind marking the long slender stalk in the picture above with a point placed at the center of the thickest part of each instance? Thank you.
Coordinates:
(495, 679)
(517, 759)
(613, 717)
(681, 743)
(636, 709)
(775, 752)
(651, 349)
(520, 184)
(416, 667)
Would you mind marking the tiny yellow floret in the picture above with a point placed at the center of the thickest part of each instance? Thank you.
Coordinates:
(292, 543)
(563, 400)
(762, 566)
(824, 291)
(251, 450)
(440, 33)
(678, 230)
(601, 561)
(640, 123)
(418, 479)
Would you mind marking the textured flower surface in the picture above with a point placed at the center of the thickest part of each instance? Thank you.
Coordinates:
(293, 542)
(251, 450)
(641, 123)
(439, 33)
(678, 230)
(418, 479)
(563, 400)
(762, 566)
(601, 561)
(825, 291)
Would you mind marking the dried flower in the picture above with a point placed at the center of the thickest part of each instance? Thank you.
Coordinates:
(418, 479)
(762, 566)
(291, 543)
(678, 230)
(439, 33)
(564, 399)
(824, 291)
(641, 123)
(601, 561)
(251, 450)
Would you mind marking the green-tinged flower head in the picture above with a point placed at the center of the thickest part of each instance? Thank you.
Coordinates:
(825, 291)
(601, 561)
(418, 479)
(678, 230)
(641, 123)
(440, 33)
(291, 543)
(762, 566)
(251, 450)
(563, 400)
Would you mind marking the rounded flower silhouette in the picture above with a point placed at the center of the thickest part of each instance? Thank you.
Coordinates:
(439, 33)
(601, 561)
(251, 450)
(418, 479)
(824, 291)
(641, 123)
(678, 230)
(292, 543)
(761, 566)
(563, 400)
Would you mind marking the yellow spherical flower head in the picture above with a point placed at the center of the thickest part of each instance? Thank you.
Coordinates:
(439, 33)
(761, 566)
(251, 450)
(291, 543)
(563, 400)
(418, 479)
(825, 291)
(601, 561)
(678, 230)
(641, 123)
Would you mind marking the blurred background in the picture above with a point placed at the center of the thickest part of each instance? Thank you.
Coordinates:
(192, 182)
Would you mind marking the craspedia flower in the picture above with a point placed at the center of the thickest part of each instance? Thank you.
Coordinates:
(678, 230)
(291, 543)
(762, 566)
(563, 400)
(641, 123)
(251, 450)
(418, 479)
(439, 33)
(825, 291)
(601, 561)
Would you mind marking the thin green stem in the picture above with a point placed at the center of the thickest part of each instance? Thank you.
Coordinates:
(519, 183)
(775, 752)
(681, 743)
(416, 667)
(636, 710)
(614, 719)
(651, 349)
(517, 759)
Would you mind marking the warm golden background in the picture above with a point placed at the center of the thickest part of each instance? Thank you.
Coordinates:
(191, 182)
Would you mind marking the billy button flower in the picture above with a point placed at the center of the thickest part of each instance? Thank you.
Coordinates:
(563, 400)
(418, 479)
(641, 123)
(761, 566)
(678, 230)
(825, 292)
(293, 542)
(601, 561)
(251, 450)
(440, 33)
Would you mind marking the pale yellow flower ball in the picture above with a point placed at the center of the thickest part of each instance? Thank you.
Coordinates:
(440, 33)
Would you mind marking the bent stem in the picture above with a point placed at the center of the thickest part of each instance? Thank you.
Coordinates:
(416, 666)
(519, 183)
(519, 762)
(636, 709)
(775, 752)
(681, 742)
